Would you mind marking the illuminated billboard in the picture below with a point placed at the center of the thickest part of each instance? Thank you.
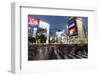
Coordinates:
(72, 28)
(33, 22)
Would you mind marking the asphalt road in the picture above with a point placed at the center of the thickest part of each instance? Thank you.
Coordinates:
(50, 52)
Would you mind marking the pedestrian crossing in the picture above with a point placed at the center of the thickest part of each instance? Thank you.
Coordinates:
(60, 52)
(69, 56)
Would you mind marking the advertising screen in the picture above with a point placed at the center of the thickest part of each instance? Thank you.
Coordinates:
(72, 29)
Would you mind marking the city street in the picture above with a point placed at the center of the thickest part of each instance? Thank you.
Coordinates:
(57, 51)
(57, 37)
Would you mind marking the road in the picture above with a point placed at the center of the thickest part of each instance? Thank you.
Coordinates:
(57, 51)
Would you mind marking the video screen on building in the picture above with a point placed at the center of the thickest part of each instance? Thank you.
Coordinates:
(72, 29)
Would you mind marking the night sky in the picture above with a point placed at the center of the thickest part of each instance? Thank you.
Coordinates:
(58, 22)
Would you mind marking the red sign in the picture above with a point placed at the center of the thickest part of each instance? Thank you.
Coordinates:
(33, 21)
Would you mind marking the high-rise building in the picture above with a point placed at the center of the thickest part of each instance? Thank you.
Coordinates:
(38, 27)
(76, 30)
